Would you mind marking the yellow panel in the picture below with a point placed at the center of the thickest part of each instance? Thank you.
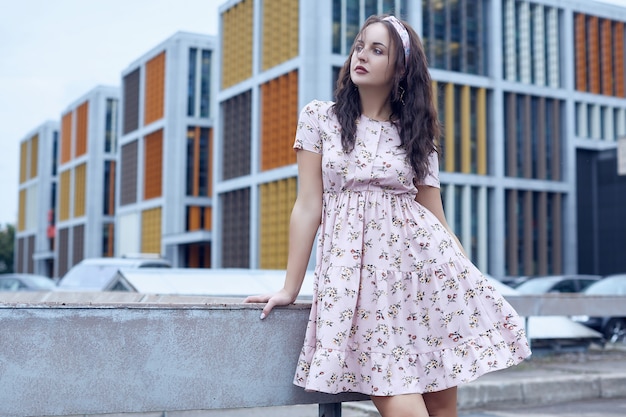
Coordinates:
(151, 230)
(435, 95)
(34, 153)
(277, 200)
(80, 190)
(280, 32)
(64, 195)
(237, 43)
(21, 214)
(449, 128)
(466, 131)
(23, 161)
(481, 131)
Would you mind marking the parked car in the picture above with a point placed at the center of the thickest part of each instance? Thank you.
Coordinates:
(613, 328)
(26, 282)
(551, 332)
(95, 274)
(557, 283)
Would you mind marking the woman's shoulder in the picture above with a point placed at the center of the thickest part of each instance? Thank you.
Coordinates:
(318, 107)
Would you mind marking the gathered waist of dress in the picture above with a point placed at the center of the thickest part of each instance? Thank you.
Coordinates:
(375, 191)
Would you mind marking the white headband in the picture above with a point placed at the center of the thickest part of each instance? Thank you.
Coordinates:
(402, 32)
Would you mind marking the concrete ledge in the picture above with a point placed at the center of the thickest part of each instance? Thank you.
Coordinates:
(558, 389)
(108, 353)
(544, 389)
(81, 359)
(613, 386)
(476, 395)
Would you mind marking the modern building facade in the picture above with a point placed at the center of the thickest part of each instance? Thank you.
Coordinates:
(522, 88)
(35, 229)
(164, 198)
(87, 168)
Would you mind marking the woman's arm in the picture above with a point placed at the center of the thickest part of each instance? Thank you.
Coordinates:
(305, 220)
(430, 197)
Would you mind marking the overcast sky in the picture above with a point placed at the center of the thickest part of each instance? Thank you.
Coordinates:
(53, 52)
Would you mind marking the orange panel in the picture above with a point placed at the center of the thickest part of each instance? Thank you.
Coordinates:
(594, 55)
(66, 137)
(279, 118)
(207, 218)
(194, 218)
(618, 51)
(607, 58)
(82, 121)
(196, 162)
(153, 165)
(581, 52)
(155, 89)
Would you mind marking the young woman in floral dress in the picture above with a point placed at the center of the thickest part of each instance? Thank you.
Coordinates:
(399, 311)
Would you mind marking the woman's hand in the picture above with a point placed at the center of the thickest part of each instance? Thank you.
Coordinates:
(280, 298)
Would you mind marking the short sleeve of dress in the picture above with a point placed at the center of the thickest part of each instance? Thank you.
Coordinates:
(432, 179)
(308, 135)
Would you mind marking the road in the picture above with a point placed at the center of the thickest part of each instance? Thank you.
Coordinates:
(590, 408)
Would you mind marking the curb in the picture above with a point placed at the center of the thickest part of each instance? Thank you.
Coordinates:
(543, 391)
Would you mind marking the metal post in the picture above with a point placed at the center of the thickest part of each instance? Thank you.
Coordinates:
(330, 410)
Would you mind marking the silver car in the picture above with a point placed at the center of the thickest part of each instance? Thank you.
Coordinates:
(613, 328)
(26, 282)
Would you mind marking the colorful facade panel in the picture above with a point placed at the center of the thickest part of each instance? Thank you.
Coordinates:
(237, 28)
(154, 89)
(276, 204)
(279, 106)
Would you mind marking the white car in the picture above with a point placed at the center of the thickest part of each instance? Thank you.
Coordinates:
(95, 274)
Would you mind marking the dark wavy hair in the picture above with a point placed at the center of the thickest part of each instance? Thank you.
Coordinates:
(412, 111)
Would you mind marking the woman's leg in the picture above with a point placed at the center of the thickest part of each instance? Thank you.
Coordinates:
(441, 403)
(409, 405)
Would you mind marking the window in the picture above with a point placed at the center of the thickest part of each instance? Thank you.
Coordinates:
(110, 129)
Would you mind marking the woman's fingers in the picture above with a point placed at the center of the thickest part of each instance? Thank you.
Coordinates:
(272, 300)
(257, 298)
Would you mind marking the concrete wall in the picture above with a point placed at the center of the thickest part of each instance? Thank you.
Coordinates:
(69, 354)
(65, 358)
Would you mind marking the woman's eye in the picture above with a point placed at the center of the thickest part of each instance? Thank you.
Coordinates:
(378, 51)
(358, 48)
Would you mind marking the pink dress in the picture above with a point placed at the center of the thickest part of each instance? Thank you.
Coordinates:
(397, 307)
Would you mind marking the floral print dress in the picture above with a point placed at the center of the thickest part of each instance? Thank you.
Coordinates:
(397, 307)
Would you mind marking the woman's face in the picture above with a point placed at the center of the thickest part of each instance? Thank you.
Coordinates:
(372, 62)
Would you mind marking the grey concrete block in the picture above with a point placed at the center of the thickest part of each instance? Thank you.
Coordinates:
(570, 388)
(479, 395)
(613, 386)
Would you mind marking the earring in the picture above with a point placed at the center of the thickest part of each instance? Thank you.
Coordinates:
(401, 94)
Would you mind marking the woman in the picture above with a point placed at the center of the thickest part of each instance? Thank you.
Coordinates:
(399, 312)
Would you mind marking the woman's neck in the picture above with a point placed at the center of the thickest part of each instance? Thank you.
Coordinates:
(375, 104)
